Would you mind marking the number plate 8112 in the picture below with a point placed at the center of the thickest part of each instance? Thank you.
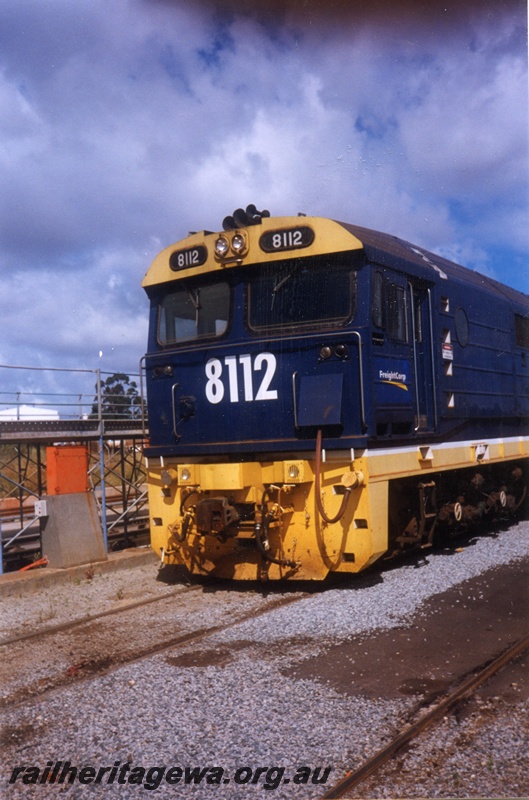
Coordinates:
(286, 239)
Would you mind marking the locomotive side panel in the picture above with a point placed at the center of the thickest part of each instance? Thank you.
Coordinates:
(478, 378)
(521, 360)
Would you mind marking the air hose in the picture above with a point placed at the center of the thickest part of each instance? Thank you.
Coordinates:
(180, 533)
(319, 503)
(188, 493)
(261, 535)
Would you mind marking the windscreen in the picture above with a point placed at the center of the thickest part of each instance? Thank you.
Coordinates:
(194, 312)
(317, 292)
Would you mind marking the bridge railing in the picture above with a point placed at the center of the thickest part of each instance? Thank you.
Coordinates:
(48, 394)
(42, 407)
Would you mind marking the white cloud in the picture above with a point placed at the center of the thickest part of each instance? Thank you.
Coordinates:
(467, 131)
(67, 320)
(125, 125)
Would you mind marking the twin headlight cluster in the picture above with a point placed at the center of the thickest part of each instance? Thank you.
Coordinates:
(229, 246)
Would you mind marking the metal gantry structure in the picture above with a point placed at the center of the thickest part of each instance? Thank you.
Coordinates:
(113, 434)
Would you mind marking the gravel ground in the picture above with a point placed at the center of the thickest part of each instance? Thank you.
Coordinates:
(484, 755)
(82, 597)
(32, 667)
(230, 704)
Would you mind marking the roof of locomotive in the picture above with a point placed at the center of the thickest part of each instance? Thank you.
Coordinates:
(380, 248)
(388, 250)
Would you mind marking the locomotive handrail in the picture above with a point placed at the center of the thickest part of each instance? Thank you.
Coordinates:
(142, 397)
(415, 369)
(174, 387)
(294, 378)
(361, 371)
(432, 357)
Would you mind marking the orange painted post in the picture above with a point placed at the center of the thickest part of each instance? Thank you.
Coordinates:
(67, 469)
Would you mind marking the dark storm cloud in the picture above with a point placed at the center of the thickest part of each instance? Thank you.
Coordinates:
(434, 14)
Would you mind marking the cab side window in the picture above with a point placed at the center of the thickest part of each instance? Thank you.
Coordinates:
(389, 310)
(396, 312)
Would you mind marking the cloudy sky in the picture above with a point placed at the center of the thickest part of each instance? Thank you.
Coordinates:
(126, 124)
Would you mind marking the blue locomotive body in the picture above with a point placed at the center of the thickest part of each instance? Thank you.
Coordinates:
(412, 371)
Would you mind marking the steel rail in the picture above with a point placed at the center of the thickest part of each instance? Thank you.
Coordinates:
(466, 688)
(152, 650)
(66, 626)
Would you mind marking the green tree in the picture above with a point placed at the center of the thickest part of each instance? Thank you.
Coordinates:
(119, 398)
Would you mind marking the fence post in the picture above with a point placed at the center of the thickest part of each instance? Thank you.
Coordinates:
(102, 460)
(1, 549)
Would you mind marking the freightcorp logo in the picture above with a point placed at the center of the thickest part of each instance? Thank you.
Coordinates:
(393, 379)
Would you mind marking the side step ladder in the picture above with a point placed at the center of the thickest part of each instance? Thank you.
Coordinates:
(420, 529)
(428, 512)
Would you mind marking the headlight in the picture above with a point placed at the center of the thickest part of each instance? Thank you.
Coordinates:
(221, 246)
(237, 243)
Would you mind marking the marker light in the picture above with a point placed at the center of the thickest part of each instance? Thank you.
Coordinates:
(294, 471)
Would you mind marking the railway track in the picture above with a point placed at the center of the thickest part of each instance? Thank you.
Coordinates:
(426, 720)
(64, 627)
(311, 681)
(87, 667)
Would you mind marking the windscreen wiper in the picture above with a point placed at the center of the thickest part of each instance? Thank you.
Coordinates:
(282, 282)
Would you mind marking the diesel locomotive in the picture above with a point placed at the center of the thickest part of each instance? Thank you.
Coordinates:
(321, 396)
